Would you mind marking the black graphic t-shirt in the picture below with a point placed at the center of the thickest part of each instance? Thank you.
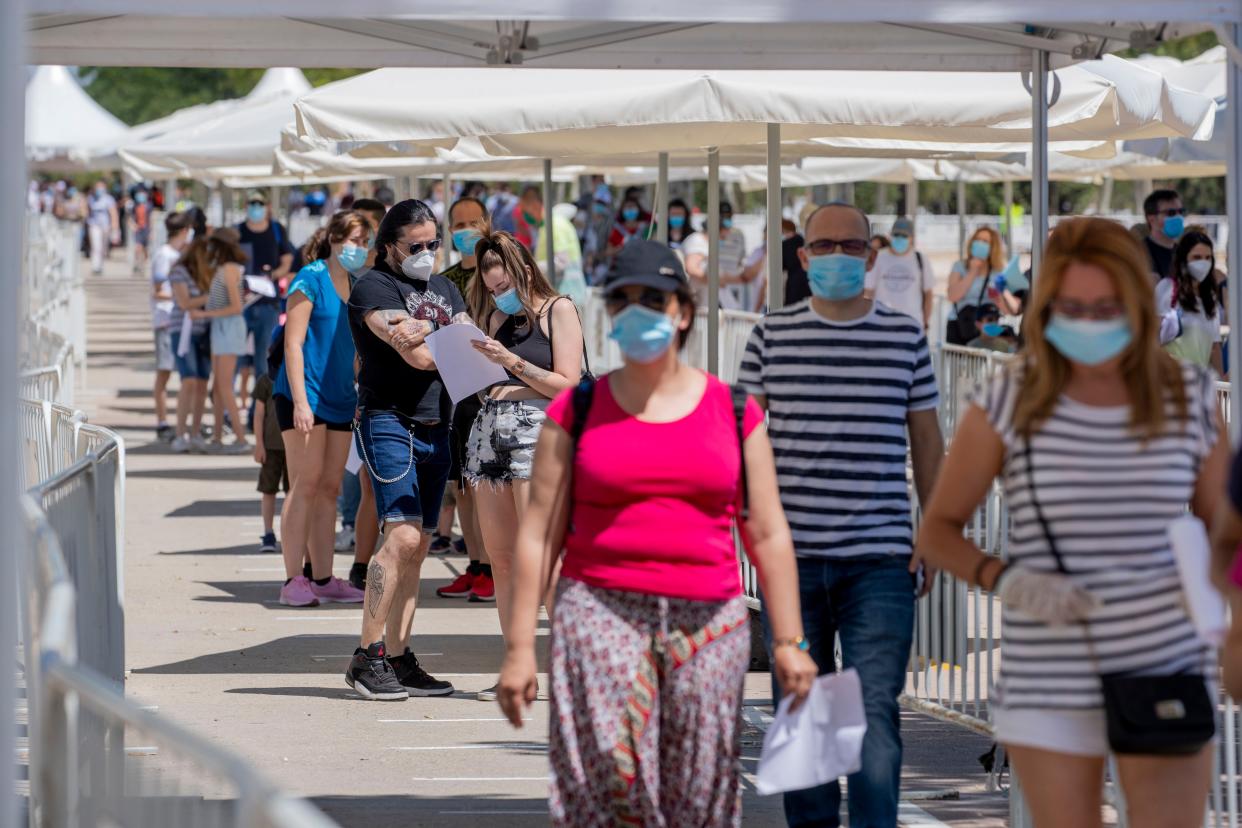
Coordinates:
(387, 382)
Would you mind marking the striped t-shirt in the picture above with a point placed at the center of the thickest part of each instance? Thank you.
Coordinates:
(838, 397)
(1108, 497)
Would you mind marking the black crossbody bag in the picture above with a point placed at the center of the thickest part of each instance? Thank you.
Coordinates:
(1147, 715)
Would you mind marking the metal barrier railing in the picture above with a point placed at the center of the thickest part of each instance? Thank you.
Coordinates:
(54, 299)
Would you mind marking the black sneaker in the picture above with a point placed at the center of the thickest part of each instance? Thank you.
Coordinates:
(372, 677)
(415, 679)
(306, 570)
(440, 545)
(358, 576)
(165, 433)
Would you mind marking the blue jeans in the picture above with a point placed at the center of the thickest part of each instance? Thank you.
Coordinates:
(869, 602)
(349, 498)
(408, 463)
(261, 319)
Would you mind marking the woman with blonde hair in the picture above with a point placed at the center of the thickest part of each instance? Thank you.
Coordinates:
(223, 257)
(1102, 440)
(533, 333)
(970, 280)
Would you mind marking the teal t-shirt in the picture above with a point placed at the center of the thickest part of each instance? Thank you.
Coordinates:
(328, 353)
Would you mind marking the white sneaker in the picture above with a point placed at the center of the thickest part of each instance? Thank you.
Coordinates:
(180, 445)
(199, 446)
(344, 539)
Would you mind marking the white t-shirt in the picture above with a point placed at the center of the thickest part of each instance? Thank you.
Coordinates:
(899, 281)
(1199, 332)
(732, 262)
(161, 265)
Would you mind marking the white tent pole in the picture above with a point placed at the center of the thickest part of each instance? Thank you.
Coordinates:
(1007, 187)
(12, 204)
(713, 260)
(776, 277)
(912, 204)
(226, 201)
(170, 195)
(1233, 208)
(661, 205)
(407, 188)
(445, 224)
(218, 194)
(549, 243)
(1039, 156)
(961, 214)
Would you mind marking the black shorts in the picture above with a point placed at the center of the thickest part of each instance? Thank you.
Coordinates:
(463, 418)
(284, 416)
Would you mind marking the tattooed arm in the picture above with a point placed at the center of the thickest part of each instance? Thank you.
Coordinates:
(566, 353)
(404, 333)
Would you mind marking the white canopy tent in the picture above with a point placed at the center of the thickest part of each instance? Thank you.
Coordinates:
(61, 118)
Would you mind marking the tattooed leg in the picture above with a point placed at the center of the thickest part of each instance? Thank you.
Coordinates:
(383, 579)
(375, 588)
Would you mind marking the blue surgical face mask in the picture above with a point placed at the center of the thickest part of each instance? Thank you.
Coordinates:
(642, 334)
(993, 329)
(141, 198)
(1088, 341)
(630, 214)
(1174, 226)
(676, 222)
(980, 249)
(901, 244)
(836, 277)
(726, 223)
(465, 240)
(508, 302)
(256, 213)
(352, 257)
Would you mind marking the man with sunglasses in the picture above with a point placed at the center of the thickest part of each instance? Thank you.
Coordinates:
(402, 434)
(849, 388)
(1166, 219)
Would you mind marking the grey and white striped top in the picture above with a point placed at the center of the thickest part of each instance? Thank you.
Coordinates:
(218, 295)
(1108, 497)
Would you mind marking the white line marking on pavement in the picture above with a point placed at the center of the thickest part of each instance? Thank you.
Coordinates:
(351, 619)
(263, 569)
(912, 815)
(464, 813)
(442, 721)
(478, 778)
(489, 746)
(321, 656)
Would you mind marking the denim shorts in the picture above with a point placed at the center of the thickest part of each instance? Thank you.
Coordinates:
(165, 356)
(408, 463)
(228, 335)
(501, 447)
(196, 364)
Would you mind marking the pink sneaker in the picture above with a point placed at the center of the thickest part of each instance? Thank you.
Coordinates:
(336, 591)
(297, 593)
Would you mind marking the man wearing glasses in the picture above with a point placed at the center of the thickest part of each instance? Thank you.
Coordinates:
(1166, 219)
(845, 380)
(402, 434)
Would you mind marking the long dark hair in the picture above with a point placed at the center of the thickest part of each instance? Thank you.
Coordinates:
(1192, 295)
(686, 229)
(403, 214)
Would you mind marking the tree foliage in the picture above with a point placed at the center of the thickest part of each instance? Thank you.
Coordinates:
(140, 94)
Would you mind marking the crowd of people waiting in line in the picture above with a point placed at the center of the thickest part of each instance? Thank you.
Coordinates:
(632, 551)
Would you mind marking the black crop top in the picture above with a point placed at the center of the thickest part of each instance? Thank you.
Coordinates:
(528, 343)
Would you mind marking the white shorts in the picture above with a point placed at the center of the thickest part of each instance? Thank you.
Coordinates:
(1077, 732)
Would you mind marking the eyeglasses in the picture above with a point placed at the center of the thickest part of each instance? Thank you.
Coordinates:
(419, 247)
(256, 203)
(1101, 311)
(851, 247)
(1172, 211)
(619, 299)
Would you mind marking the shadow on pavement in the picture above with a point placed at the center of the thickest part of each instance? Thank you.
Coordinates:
(474, 806)
(241, 507)
(211, 473)
(241, 549)
(265, 592)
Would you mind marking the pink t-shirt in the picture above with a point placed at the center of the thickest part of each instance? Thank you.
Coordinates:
(654, 503)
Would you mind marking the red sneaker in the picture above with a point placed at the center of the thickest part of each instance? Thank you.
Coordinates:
(459, 588)
(484, 589)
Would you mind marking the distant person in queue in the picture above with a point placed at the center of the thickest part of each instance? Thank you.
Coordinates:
(650, 631)
(402, 434)
(269, 253)
(970, 281)
(1192, 292)
(902, 277)
(1166, 221)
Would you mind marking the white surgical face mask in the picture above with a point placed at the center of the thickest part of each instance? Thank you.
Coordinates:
(1199, 269)
(419, 266)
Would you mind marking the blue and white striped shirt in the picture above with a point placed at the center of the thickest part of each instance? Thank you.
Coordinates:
(838, 397)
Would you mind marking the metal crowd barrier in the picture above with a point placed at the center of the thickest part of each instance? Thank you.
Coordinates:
(54, 299)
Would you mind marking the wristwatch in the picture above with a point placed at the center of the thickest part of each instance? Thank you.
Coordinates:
(800, 642)
(519, 368)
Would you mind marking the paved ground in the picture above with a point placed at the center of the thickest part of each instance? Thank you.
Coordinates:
(208, 643)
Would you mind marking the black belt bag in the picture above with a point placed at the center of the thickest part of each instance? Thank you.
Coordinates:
(1147, 715)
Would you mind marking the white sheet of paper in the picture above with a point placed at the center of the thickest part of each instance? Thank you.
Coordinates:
(463, 369)
(353, 463)
(819, 741)
(1192, 552)
(262, 286)
(187, 327)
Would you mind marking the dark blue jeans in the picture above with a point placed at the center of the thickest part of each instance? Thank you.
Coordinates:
(869, 602)
(261, 319)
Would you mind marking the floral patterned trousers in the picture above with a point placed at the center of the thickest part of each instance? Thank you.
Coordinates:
(646, 708)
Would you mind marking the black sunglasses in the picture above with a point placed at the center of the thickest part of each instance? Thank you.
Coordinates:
(618, 299)
(1172, 211)
(419, 247)
(253, 203)
(851, 247)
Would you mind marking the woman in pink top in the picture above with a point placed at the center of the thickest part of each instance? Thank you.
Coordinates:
(650, 632)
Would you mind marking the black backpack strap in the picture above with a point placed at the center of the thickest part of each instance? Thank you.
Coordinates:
(580, 402)
(739, 395)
